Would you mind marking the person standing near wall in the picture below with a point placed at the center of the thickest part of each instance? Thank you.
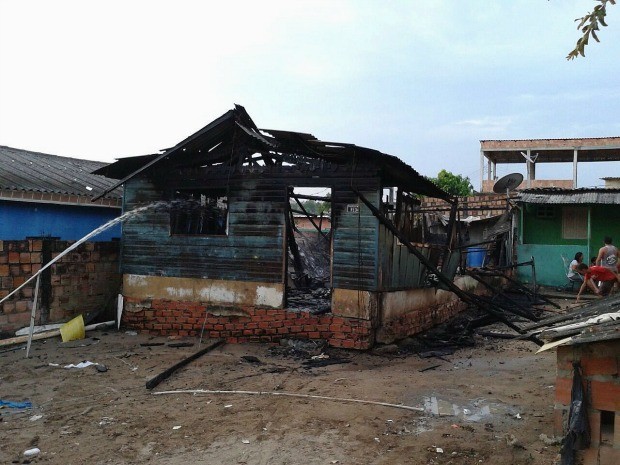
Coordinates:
(608, 256)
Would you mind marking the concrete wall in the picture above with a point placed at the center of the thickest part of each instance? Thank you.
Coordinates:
(600, 362)
(487, 184)
(218, 292)
(84, 281)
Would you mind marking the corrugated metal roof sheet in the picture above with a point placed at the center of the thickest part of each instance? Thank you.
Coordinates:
(570, 196)
(24, 170)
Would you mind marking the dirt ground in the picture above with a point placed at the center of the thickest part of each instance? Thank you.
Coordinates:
(486, 404)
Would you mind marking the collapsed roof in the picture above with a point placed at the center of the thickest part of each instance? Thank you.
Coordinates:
(214, 143)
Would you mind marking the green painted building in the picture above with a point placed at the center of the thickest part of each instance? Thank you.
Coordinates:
(556, 223)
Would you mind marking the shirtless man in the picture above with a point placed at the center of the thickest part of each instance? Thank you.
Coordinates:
(608, 256)
(605, 276)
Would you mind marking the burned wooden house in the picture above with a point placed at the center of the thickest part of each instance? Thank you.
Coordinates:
(219, 251)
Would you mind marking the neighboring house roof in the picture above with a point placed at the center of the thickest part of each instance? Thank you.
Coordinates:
(27, 171)
(197, 148)
(570, 196)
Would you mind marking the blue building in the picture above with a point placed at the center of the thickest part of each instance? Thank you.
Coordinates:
(44, 195)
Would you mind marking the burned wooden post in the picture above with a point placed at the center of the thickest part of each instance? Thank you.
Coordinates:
(153, 382)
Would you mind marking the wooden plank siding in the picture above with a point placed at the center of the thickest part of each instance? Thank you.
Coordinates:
(253, 250)
(356, 236)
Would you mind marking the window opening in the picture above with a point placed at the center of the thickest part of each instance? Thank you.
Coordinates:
(199, 212)
(574, 223)
(545, 211)
(607, 427)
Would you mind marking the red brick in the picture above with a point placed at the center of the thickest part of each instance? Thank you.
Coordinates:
(19, 318)
(609, 456)
(605, 395)
(599, 366)
(563, 388)
(283, 330)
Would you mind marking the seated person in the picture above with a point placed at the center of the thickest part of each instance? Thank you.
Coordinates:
(572, 268)
(606, 279)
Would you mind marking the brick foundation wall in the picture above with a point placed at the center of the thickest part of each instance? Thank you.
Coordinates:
(84, 281)
(416, 321)
(245, 324)
(600, 362)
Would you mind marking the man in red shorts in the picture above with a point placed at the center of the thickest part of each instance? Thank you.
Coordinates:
(606, 278)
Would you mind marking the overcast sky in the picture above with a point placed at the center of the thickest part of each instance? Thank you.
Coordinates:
(422, 80)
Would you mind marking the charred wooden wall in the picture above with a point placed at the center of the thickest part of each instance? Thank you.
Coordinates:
(255, 245)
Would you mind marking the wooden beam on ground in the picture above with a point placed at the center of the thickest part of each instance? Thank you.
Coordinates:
(523, 311)
(519, 286)
(153, 382)
(48, 334)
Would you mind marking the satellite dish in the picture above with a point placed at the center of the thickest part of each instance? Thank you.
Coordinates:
(508, 183)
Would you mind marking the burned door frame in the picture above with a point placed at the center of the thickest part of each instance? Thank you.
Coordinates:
(290, 228)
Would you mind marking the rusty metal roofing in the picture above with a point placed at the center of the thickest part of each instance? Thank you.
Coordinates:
(594, 322)
(570, 196)
(23, 170)
(198, 148)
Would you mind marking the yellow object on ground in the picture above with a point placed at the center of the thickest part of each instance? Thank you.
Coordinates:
(73, 330)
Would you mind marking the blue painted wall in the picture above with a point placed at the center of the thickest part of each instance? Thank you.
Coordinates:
(550, 269)
(19, 220)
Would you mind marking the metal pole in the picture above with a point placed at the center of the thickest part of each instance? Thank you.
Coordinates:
(32, 315)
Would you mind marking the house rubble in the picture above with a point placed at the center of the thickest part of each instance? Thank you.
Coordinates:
(224, 259)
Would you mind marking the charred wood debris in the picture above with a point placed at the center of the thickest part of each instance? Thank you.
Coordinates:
(507, 301)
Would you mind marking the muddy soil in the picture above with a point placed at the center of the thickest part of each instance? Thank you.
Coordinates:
(488, 404)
